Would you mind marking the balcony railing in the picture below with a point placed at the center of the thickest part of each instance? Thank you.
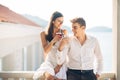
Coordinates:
(27, 75)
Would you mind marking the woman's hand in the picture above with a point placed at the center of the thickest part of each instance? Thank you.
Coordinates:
(56, 38)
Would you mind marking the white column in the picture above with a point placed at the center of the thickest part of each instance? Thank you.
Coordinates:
(24, 58)
(39, 56)
(118, 39)
(29, 57)
(34, 56)
(13, 61)
(0, 64)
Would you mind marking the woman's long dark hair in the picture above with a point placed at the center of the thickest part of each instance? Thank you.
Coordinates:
(49, 31)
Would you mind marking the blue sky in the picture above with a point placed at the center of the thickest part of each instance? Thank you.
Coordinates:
(95, 12)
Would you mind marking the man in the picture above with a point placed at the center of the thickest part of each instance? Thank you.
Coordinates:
(81, 50)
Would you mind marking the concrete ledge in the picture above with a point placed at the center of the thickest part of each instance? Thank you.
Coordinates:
(29, 74)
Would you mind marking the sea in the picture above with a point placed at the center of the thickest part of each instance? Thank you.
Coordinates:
(106, 44)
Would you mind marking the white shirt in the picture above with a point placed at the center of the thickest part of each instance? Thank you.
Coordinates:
(82, 57)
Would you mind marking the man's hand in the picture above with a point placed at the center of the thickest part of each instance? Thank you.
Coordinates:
(97, 75)
(64, 41)
(57, 68)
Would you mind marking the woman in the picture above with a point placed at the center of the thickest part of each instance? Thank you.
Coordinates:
(51, 69)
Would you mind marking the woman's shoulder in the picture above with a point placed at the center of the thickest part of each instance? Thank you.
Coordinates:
(43, 34)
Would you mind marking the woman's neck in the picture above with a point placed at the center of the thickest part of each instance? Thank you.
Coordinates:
(55, 30)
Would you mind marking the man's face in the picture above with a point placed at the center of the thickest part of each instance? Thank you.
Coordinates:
(77, 29)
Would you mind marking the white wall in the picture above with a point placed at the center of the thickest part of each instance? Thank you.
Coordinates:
(20, 47)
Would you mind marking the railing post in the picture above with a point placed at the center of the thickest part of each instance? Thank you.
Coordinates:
(5, 79)
(16, 78)
(0, 64)
(28, 79)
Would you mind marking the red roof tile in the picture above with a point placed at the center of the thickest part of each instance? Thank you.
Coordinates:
(7, 15)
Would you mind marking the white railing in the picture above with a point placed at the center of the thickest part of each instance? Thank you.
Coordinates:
(107, 76)
(16, 75)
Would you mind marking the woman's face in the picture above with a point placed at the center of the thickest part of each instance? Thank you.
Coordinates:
(58, 22)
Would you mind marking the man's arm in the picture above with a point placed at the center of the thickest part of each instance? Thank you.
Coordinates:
(99, 59)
